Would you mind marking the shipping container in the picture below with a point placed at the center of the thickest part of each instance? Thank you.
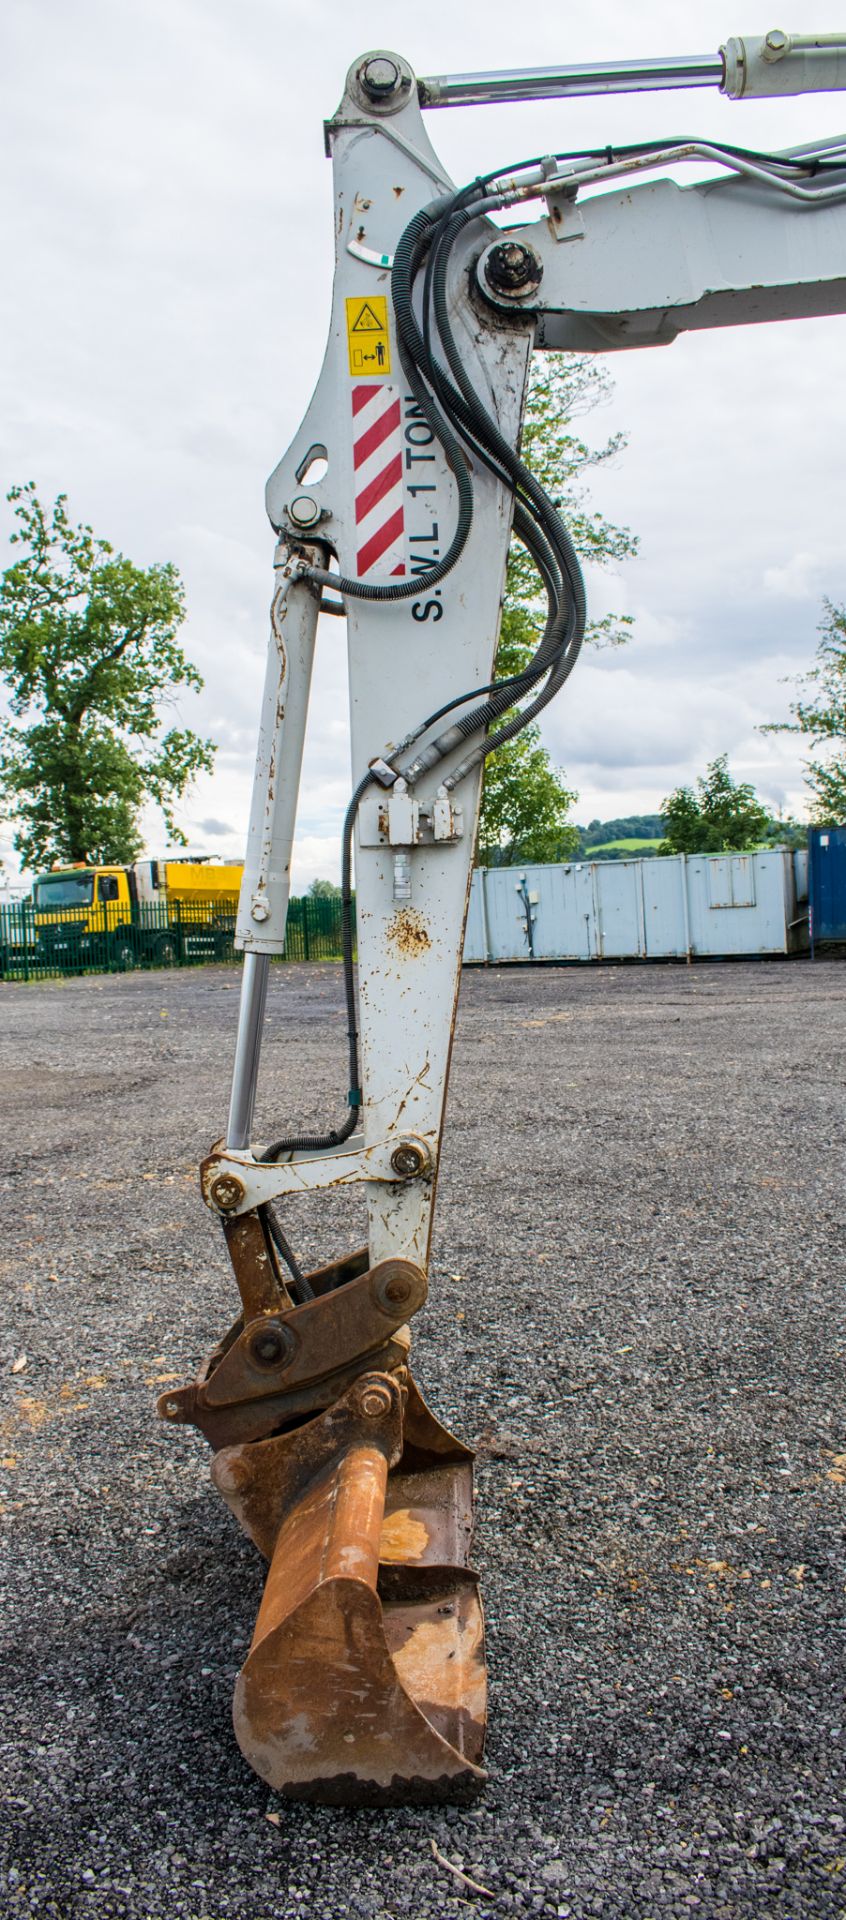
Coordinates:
(666, 909)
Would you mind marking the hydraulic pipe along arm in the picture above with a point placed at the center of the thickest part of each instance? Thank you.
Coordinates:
(365, 1681)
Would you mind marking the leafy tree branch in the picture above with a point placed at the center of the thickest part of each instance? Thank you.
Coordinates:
(89, 653)
(820, 717)
(525, 799)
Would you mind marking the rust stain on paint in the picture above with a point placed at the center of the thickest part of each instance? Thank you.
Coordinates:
(408, 932)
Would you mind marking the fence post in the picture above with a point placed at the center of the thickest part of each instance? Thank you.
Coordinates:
(306, 951)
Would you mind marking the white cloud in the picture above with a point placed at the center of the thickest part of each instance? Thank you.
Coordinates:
(799, 579)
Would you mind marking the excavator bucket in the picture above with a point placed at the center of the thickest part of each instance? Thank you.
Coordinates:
(365, 1682)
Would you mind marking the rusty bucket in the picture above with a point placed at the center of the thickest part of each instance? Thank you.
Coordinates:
(365, 1682)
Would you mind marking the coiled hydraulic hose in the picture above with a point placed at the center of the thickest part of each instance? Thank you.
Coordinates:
(416, 232)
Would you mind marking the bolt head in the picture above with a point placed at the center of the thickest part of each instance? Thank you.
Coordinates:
(233, 1475)
(776, 40)
(270, 1346)
(512, 268)
(397, 1291)
(380, 77)
(259, 911)
(227, 1191)
(375, 1402)
(407, 1161)
(304, 511)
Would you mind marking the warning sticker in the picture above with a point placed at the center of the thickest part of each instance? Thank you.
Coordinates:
(367, 335)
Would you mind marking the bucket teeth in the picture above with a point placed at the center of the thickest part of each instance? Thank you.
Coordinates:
(365, 1683)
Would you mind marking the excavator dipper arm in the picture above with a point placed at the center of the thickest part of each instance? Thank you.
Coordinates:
(365, 1681)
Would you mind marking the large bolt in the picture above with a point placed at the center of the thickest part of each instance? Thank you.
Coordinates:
(304, 511)
(375, 1402)
(776, 44)
(407, 1160)
(232, 1475)
(269, 1346)
(397, 1291)
(380, 77)
(512, 268)
(227, 1191)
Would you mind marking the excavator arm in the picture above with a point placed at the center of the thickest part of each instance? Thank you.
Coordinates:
(395, 505)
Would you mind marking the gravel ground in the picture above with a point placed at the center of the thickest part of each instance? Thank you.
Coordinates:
(634, 1314)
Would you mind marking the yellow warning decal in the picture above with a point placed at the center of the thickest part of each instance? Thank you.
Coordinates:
(367, 335)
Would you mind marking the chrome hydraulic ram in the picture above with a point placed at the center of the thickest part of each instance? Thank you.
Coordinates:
(754, 66)
(266, 882)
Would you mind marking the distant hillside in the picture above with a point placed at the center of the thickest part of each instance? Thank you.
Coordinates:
(632, 836)
(637, 836)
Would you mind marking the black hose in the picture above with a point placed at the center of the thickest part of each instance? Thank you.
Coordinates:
(270, 1220)
(483, 437)
(409, 243)
(566, 625)
(484, 423)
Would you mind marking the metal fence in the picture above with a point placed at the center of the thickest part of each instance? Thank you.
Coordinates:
(102, 939)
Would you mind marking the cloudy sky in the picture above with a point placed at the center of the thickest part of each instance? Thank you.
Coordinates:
(167, 244)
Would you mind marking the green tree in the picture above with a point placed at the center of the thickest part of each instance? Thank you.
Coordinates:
(821, 719)
(525, 798)
(89, 652)
(720, 816)
(324, 890)
(784, 831)
(525, 807)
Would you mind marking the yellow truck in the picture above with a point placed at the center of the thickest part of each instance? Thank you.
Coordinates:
(161, 911)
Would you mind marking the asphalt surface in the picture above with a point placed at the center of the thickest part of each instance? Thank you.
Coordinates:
(636, 1315)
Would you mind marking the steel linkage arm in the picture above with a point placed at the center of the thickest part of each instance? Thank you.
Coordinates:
(639, 265)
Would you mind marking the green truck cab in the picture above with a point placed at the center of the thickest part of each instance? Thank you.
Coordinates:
(157, 911)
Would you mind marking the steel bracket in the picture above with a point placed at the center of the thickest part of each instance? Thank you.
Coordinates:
(233, 1183)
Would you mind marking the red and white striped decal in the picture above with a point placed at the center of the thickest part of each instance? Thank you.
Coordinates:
(377, 459)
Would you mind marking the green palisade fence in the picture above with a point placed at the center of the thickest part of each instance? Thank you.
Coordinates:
(163, 935)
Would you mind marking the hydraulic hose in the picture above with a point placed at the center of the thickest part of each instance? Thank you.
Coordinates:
(270, 1220)
(402, 276)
